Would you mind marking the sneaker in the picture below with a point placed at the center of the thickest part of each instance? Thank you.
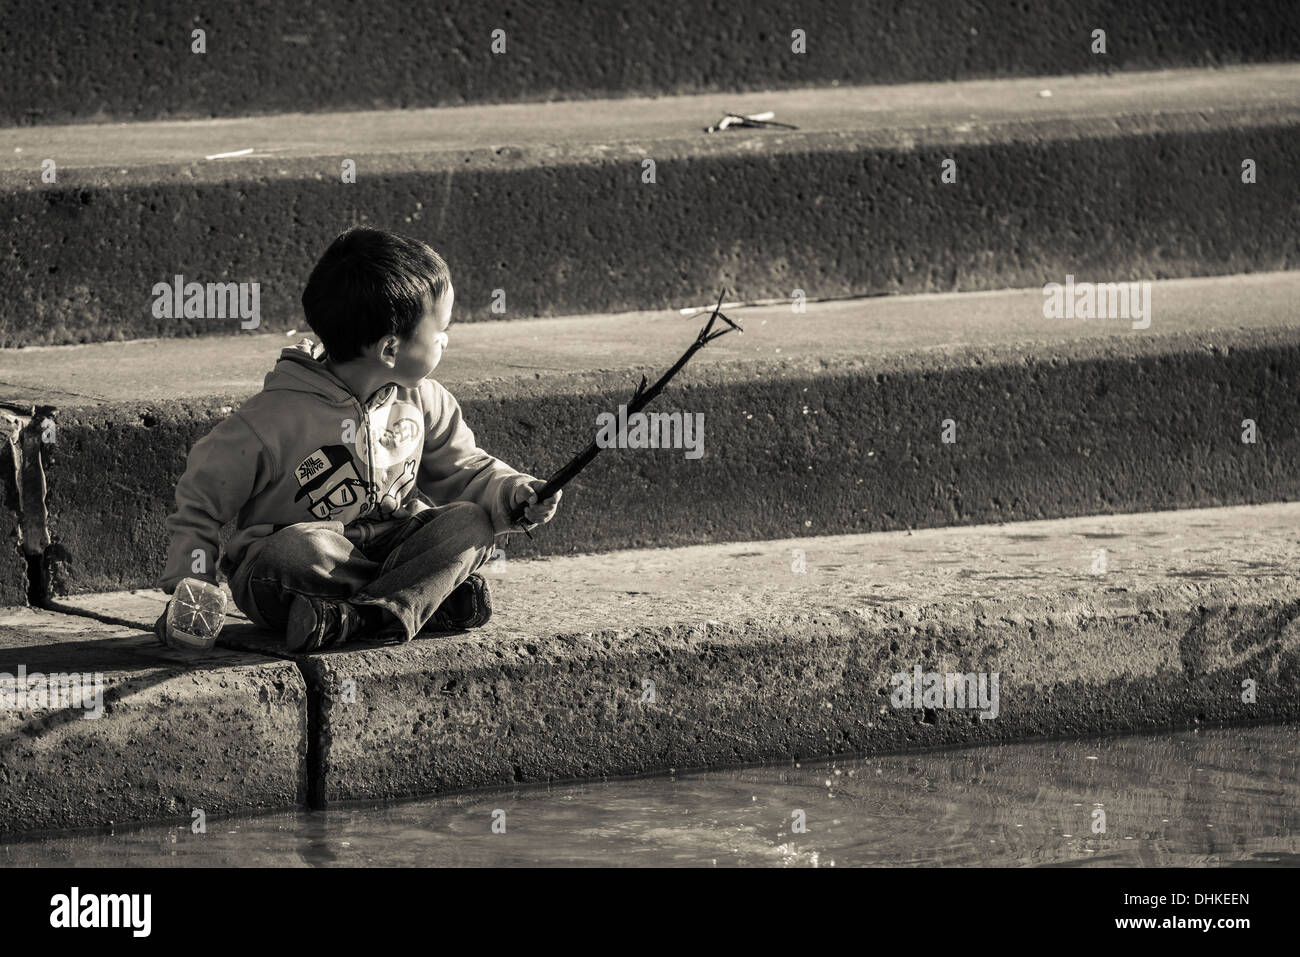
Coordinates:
(317, 623)
(194, 616)
(468, 606)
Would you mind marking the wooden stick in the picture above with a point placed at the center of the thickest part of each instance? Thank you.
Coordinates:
(639, 401)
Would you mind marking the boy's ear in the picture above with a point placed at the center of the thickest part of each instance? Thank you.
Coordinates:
(388, 349)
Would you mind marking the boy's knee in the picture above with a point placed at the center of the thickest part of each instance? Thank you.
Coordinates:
(316, 545)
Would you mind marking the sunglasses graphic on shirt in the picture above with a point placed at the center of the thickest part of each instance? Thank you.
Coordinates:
(329, 481)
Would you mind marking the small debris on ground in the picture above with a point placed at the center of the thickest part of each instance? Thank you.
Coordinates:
(752, 120)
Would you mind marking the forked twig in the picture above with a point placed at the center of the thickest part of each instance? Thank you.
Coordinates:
(640, 399)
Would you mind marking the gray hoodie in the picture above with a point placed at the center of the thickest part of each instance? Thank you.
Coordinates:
(304, 450)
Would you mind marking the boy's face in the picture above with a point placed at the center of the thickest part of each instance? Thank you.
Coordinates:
(419, 354)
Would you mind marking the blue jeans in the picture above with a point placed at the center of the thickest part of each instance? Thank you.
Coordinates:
(407, 572)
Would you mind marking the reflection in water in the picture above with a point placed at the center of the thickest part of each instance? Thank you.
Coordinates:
(1220, 797)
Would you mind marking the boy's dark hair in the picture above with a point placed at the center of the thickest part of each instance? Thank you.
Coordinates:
(370, 284)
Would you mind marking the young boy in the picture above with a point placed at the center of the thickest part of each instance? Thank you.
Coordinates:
(362, 504)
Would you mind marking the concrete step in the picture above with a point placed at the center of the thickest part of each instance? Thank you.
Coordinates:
(822, 423)
(543, 210)
(117, 61)
(644, 660)
(156, 734)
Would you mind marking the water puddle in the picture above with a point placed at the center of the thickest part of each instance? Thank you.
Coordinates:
(1221, 797)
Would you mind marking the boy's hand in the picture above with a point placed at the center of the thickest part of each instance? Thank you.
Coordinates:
(537, 513)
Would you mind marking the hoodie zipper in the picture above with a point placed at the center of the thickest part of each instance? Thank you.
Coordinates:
(371, 497)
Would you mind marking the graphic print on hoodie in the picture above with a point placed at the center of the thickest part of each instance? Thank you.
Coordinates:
(284, 458)
(333, 487)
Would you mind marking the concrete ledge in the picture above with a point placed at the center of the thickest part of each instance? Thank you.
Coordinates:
(548, 204)
(752, 661)
(829, 422)
(224, 734)
(117, 61)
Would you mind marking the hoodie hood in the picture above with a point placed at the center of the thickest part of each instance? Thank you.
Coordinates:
(301, 368)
